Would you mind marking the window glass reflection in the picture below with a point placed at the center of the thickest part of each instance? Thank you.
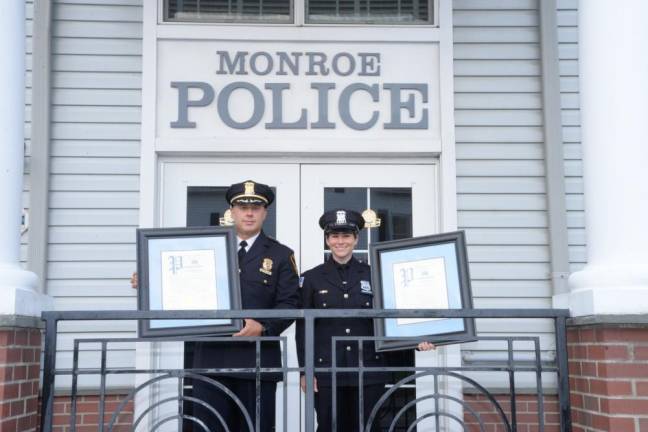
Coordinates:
(271, 11)
(351, 199)
(207, 204)
(394, 208)
(399, 12)
(392, 205)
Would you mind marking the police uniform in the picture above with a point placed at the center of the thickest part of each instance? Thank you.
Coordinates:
(269, 280)
(334, 286)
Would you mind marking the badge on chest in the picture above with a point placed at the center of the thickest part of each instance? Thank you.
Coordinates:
(365, 287)
(266, 266)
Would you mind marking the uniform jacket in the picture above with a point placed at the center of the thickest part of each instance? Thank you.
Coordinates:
(259, 290)
(323, 288)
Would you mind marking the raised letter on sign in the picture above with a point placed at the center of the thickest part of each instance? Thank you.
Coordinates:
(184, 103)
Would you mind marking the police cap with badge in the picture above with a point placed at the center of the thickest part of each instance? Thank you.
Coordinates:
(250, 192)
(341, 220)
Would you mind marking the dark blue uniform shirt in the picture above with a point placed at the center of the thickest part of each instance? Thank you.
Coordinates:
(332, 286)
(269, 280)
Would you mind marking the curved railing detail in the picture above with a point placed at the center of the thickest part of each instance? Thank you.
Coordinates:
(537, 361)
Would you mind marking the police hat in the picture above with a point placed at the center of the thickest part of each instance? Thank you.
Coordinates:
(249, 192)
(341, 220)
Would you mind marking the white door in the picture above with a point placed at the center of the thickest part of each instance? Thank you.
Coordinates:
(404, 196)
(188, 187)
(193, 194)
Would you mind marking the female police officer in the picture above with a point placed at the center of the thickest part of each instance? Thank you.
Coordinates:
(342, 282)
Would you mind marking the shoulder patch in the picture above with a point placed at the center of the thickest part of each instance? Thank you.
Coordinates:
(293, 263)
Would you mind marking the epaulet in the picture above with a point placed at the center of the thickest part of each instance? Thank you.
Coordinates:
(272, 239)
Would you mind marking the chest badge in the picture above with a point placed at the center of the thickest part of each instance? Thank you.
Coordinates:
(266, 266)
(365, 287)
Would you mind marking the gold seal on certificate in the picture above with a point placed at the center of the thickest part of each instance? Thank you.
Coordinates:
(420, 282)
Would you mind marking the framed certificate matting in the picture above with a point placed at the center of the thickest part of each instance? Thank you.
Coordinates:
(428, 272)
(187, 269)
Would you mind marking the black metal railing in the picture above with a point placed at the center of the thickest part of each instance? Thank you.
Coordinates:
(505, 414)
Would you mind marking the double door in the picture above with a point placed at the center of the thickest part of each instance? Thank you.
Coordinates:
(404, 198)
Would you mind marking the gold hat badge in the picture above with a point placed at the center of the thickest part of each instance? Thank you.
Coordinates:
(226, 220)
(371, 219)
(249, 188)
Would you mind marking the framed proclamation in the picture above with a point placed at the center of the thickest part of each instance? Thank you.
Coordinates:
(428, 272)
(185, 269)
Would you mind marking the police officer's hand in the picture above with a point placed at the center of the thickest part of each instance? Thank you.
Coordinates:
(251, 328)
(134, 280)
(302, 383)
(425, 346)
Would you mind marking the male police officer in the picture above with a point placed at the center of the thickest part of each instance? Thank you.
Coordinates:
(342, 282)
(269, 280)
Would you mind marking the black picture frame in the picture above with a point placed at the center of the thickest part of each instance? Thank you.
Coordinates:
(442, 259)
(209, 251)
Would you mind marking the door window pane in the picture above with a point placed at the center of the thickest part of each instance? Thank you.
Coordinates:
(207, 204)
(271, 11)
(369, 11)
(393, 206)
(350, 199)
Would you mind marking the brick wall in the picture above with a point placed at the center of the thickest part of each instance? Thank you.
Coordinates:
(526, 412)
(19, 374)
(608, 368)
(87, 417)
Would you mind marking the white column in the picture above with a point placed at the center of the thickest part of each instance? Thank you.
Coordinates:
(18, 288)
(613, 39)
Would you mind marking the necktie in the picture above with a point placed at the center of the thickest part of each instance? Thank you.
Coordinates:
(242, 251)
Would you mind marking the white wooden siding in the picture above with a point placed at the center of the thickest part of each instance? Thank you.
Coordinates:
(94, 182)
(568, 58)
(501, 200)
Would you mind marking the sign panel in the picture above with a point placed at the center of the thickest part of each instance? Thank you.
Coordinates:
(252, 90)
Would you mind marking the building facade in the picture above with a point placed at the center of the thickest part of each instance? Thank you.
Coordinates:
(440, 115)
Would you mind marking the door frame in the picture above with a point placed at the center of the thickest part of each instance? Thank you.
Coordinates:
(445, 220)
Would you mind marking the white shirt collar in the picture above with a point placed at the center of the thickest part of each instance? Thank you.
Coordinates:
(249, 241)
